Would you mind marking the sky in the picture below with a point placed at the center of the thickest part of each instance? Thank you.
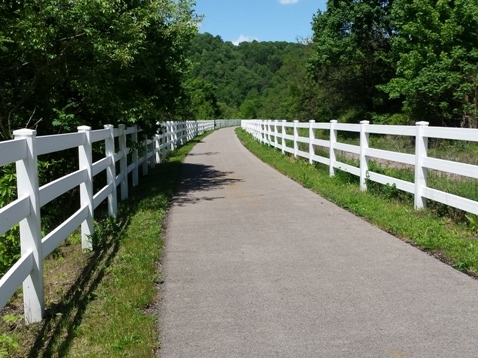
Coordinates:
(260, 20)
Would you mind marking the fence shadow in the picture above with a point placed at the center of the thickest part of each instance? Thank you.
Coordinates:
(201, 178)
(57, 331)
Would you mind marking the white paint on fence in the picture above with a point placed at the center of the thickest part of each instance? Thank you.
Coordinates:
(422, 163)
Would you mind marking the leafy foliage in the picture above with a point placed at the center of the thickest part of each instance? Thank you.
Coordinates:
(352, 57)
(253, 79)
(436, 48)
(91, 62)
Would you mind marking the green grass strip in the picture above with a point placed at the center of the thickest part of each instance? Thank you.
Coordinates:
(452, 243)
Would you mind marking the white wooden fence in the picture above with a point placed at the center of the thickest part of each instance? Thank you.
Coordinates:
(274, 133)
(24, 151)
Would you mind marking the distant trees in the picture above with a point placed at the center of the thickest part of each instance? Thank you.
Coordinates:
(253, 79)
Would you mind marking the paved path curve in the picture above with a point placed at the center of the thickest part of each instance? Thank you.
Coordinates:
(257, 266)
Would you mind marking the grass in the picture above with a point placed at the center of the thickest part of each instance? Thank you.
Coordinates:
(384, 206)
(103, 303)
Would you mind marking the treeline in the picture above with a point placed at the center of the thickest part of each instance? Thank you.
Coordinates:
(387, 61)
(251, 80)
(378, 57)
(65, 63)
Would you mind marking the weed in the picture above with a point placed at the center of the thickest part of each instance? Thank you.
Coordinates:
(472, 222)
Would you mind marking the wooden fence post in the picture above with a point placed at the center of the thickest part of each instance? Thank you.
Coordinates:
(364, 144)
(123, 161)
(296, 138)
(85, 159)
(30, 228)
(332, 154)
(145, 156)
(421, 149)
(111, 171)
(311, 140)
(152, 158)
(276, 144)
(283, 136)
(134, 137)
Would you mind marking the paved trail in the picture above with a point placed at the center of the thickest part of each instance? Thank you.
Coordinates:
(257, 266)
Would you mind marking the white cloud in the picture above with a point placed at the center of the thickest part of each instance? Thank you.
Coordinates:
(287, 2)
(243, 38)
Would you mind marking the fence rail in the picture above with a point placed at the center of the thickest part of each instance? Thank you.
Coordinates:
(25, 211)
(275, 133)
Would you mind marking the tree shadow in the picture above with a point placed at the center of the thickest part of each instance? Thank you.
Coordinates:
(56, 332)
(200, 178)
(201, 154)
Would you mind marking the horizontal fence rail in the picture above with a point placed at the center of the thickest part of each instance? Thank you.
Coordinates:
(285, 136)
(25, 211)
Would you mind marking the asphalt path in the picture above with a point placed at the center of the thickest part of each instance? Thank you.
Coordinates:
(257, 266)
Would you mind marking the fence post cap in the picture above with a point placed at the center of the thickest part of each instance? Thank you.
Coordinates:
(84, 128)
(108, 126)
(24, 132)
(364, 122)
(333, 121)
(312, 121)
(423, 123)
(296, 121)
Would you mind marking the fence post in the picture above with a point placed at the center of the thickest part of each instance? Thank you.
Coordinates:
(276, 144)
(332, 154)
(111, 171)
(296, 138)
(145, 157)
(134, 137)
(364, 145)
(174, 131)
(123, 161)
(85, 159)
(30, 228)
(152, 158)
(269, 130)
(311, 140)
(283, 136)
(421, 149)
(157, 141)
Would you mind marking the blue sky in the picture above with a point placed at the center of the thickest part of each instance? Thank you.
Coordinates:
(261, 20)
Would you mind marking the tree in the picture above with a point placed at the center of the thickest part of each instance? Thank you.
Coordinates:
(202, 100)
(352, 56)
(92, 62)
(436, 48)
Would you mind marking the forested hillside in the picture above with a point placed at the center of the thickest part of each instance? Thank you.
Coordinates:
(251, 80)
(387, 61)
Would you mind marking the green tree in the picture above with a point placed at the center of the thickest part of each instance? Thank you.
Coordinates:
(203, 102)
(91, 61)
(352, 56)
(436, 48)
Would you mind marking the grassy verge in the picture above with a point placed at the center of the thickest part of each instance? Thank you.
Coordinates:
(453, 243)
(103, 304)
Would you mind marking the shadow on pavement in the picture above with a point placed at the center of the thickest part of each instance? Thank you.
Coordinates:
(197, 178)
